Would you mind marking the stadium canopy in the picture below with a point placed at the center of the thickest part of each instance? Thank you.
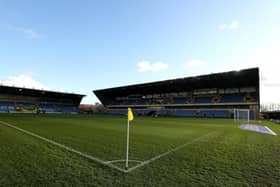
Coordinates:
(10, 90)
(232, 79)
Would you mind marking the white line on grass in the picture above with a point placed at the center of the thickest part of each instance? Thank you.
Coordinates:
(106, 163)
(115, 161)
(271, 132)
(65, 147)
(166, 153)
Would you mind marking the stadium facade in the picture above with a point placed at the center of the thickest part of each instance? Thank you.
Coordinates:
(214, 95)
(25, 100)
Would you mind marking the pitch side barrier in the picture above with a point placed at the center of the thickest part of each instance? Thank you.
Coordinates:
(202, 113)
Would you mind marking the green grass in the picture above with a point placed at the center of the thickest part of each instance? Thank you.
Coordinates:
(226, 156)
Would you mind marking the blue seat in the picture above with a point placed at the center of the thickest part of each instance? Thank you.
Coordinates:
(203, 99)
(7, 106)
(180, 100)
(232, 98)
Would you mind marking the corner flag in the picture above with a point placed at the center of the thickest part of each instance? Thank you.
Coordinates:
(130, 114)
(130, 117)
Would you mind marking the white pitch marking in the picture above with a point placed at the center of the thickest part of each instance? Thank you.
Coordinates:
(273, 133)
(115, 161)
(106, 163)
(166, 153)
(64, 147)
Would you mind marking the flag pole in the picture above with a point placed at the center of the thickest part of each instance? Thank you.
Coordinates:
(127, 145)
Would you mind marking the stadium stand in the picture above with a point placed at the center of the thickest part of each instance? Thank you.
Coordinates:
(213, 95)
(180, 100)
(203, 99)
(6, 106)
(25, 100)
(232, 98)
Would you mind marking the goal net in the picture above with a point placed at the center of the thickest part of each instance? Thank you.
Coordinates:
(242, 115)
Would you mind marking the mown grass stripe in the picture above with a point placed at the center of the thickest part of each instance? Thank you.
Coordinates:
(168, 152)
(64, 147)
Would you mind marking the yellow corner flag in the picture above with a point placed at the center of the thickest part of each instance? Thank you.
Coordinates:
(130, 114)
(129, 118)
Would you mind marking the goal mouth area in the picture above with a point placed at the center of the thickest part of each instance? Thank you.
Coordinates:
(241, 115)
(257, 128)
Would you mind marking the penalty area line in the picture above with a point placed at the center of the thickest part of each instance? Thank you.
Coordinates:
(168, 152)
(89, 157)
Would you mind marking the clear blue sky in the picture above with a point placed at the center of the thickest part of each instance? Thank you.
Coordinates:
(79, 46)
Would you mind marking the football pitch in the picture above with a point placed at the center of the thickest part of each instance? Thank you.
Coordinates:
(89, 150)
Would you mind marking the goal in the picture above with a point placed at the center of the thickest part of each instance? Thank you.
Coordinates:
(242, 115)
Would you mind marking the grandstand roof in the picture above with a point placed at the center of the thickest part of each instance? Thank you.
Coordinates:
(232, 79)
(39, 93)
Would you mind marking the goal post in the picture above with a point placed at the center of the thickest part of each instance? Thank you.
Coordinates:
(241, 115)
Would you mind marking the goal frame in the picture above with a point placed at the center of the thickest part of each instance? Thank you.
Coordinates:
(236, 114)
